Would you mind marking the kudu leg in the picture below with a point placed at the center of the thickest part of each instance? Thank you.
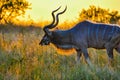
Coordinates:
(109, 49)
(79, 53)
(85, 53)
(110, 46)
(110, 56)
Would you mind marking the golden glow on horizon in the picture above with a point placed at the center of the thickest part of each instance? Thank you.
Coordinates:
(41, 9)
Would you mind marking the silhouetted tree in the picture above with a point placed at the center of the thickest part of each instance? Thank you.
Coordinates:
(98, 14)
(114, 17)
(10, 9)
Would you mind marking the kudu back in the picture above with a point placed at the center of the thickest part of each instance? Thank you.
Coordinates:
(83, 35)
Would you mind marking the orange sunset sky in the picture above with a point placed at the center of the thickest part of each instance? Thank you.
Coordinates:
(41, 9)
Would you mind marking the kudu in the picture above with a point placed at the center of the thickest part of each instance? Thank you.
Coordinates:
(84, 35)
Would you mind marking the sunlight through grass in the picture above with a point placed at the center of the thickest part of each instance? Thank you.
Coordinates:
(22, 58)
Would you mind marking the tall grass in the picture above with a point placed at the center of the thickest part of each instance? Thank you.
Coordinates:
(22, 58)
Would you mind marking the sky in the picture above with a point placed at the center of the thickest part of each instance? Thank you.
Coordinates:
(41, 9)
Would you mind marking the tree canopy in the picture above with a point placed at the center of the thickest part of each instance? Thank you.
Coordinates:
(10, 9)
(98, 14)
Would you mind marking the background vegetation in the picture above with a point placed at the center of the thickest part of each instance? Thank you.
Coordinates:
(10, 9)
(22, 58)
(100, 15)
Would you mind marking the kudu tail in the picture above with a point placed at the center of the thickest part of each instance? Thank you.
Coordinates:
(118, 48)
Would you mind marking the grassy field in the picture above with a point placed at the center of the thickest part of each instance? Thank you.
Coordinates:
(22, 58)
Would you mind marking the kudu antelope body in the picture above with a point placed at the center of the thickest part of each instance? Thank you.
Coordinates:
(82, 36)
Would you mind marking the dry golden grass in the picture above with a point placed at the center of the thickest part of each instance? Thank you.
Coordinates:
(22, 58)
